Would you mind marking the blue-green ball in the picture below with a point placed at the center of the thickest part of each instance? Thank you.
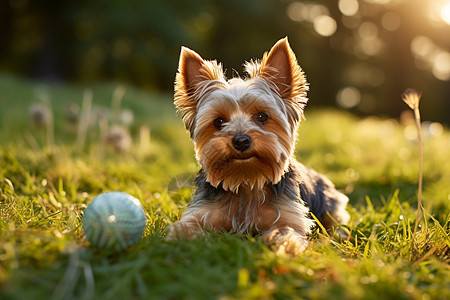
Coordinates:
(114, 220)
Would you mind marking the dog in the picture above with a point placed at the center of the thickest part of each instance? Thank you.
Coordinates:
(244, 132)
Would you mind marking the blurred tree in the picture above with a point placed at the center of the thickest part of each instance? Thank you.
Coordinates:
(358, 54)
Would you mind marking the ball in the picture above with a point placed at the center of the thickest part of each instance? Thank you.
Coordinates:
(114, 220)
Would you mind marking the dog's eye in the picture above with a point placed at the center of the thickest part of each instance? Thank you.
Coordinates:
(219, 122)
(261, 118)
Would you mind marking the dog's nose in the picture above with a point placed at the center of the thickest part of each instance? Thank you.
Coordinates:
(242, 142)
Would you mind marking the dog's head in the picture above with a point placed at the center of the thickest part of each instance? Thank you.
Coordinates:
(244, 130)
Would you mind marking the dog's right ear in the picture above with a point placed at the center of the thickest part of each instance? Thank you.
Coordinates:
(193, 71)
(190, 69)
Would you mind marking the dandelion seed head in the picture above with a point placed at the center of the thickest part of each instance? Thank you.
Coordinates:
(40, 115)
(119, 138)
(126, 117)
(412, 98)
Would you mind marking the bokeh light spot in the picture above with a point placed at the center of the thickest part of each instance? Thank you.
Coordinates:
(436, 129)
(421, 45)
(368, 31)
(371, 47)
(204, 22)
(325, 25)
(297, 11)
(122, 48)
(410, 132)
(316, 11)
(348, 97)
(391, 21)
(441, 66)
(348, 7)
(111, 219)
(304, 11)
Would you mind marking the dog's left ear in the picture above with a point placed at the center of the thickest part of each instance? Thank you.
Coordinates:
(281, 68)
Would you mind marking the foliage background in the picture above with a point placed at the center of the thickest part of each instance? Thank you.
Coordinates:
(358, 54)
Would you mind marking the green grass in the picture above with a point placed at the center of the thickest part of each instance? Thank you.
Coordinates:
(45, 188)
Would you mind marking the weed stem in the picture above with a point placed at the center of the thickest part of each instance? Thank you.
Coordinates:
(419, 191)
(412, 98)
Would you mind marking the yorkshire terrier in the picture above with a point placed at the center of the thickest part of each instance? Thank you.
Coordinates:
(244, 132)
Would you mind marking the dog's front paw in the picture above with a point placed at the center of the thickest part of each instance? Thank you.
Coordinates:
(184, 229)
(286, 240)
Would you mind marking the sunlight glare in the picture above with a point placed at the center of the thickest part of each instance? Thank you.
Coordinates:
(439, 11)
(445, 13)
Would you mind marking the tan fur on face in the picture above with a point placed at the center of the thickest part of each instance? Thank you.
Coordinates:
(261, 164)
(276, 87)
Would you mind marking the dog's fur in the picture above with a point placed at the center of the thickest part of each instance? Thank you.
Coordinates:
(244, 132)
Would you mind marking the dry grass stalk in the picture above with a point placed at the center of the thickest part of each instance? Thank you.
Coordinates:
(86, 110)
(412, 98)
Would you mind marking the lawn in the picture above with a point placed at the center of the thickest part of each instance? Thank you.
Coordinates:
(50, 173)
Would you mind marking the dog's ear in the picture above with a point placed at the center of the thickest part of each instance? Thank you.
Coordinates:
(193, 70)
(281, 68)
(190, 69)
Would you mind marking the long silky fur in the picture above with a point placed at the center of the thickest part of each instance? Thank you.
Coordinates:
(262, 189)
